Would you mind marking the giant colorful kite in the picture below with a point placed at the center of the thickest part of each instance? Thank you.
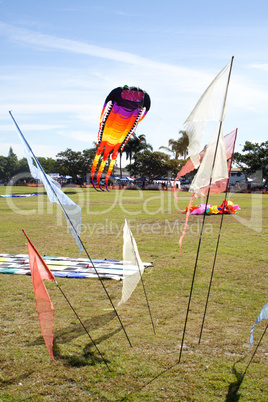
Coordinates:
(123, 109)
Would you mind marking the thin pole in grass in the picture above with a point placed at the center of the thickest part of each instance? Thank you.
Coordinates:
(44, 264)
(218, 241)
(70, 223)
(199, 246)
(204, 215)
(193, 278)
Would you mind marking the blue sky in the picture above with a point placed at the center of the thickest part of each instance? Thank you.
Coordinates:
(61, 58)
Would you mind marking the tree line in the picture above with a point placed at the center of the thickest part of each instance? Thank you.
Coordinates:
(143, 161)
(69, 162)
(253, 159)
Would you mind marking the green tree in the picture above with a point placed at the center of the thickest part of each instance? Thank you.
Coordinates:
(174, 166)
(178, 147)
(253, 159)
(87, 157)
(49, 165)
(142, 144)
(70, 163)
(22, 166)
(150, 164)
(11, 165)
(76, 164)
(3, 164)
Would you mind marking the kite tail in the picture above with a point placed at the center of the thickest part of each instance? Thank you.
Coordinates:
(101, 168)
(109, 171)
(94, 165)
(186, 222)
(96, 161)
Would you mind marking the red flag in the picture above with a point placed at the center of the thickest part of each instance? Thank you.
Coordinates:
(44, 306)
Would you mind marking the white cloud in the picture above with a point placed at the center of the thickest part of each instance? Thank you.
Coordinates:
(66, 101)
(52, 42)
(263, 66)
(174, 81)
(39, 150)
(82, 136)
(32, 127)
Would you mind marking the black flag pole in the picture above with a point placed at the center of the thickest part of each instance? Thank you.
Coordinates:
(73, 227)
(204, 215)
(255, 351)
(218, 241)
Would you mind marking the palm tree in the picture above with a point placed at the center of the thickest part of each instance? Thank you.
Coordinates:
(136, 144)
(178, 147)
(183, 143)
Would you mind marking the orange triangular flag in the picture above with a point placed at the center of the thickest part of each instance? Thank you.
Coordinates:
(44, 306)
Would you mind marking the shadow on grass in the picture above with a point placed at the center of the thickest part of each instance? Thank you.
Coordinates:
(65, 192)
(73, 331)
(41, 192)
(233, 395)
(88, 355)
(77, 360)
(69, 192)
(76, 330)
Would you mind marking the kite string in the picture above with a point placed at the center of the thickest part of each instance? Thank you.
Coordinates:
(75, 230)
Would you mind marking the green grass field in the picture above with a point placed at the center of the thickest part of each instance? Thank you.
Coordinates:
(207, 372)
